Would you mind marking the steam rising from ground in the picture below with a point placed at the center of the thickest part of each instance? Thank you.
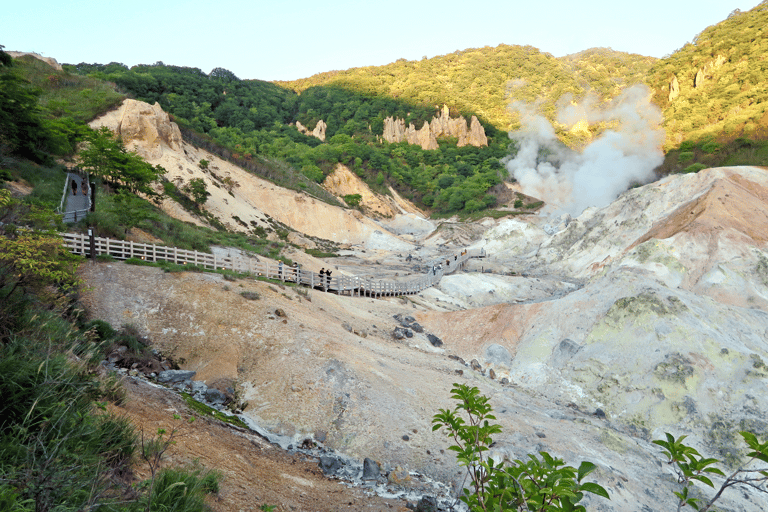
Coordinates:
(571, 181)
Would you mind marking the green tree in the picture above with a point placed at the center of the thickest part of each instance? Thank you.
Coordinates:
(197, 189)
(106, 157)
(22, 131)
(538, 484)
(32, 258)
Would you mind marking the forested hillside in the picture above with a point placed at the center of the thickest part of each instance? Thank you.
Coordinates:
(253, 120)
(712, 93)
(485, 80)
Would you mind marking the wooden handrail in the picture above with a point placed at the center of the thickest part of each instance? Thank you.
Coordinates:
(351, 285)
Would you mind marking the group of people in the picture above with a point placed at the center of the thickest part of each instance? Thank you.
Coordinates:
(294, 274)
(325, 281)
(84, 188)
(435, 268)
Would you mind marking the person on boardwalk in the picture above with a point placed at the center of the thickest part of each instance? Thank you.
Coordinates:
(280, 270)
(295, 271)
(74, 187)
(328, 277)
(84, 187)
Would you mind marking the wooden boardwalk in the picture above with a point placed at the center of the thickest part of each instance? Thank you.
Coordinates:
(341, 284)
(76, 199)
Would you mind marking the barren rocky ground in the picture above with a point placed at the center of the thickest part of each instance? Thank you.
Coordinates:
(592, 336)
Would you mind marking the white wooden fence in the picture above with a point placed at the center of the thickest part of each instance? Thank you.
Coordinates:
(347, 285)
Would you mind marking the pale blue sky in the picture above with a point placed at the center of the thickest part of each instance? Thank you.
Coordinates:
(285, 40)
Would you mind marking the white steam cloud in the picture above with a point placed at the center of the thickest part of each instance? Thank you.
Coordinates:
(571, 181)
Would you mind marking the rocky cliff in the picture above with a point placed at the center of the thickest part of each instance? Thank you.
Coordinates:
(442, 125)
(239, 199)
(318, 132)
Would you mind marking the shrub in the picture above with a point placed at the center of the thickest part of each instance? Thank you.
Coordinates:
(250, 295)
(538, 484)
(353, 200)
(694, 168)
(685, 156)
(102, 329)
(691, 467)
(710, 147)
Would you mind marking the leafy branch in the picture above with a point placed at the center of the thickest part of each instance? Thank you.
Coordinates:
(538, 484)
(691, 467)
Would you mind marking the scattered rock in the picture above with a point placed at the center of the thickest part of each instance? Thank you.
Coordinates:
(174, 376)
(417, 327)
(371, 469)
(434, 340)
(475, 365)
(330, 465)
(280, 312)
(427, 504)
(215, 396)
(599, 413)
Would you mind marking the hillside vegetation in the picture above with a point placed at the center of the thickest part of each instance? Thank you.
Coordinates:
(484, 80)
(718, 81)
(721, 81)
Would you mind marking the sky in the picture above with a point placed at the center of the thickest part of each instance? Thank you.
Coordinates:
(287, 40)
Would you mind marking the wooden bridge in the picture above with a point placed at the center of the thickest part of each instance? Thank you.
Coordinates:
(84, 245)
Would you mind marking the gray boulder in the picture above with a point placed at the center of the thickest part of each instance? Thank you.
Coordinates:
(371, 469)
(434, 340)
(173, 376)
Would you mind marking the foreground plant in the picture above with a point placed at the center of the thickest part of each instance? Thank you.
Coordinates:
(538, 484)
(691, 467)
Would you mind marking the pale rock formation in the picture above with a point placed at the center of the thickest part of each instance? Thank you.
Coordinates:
(144, 128)
(423, 137)
(342, 182)
(477, 135)
(318, 132)
(394, 130)
(440, 125)
(48, 60)
(707, 71)
(674, 88)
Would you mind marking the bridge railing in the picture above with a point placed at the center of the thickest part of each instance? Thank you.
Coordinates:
(347, 285)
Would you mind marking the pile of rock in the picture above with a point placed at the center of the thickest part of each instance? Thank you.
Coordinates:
(409, 325)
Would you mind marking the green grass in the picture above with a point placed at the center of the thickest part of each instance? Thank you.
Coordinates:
(66, 95)
(47, 182)
(204, 410)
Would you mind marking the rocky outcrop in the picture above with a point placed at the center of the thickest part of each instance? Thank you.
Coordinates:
(674, 88)
(707, 71)
(318, 132)
(144, 128)
(442, 125)
(342, 182)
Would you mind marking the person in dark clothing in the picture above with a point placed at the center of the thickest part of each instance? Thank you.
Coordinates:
(328, 276)
(74, 187)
